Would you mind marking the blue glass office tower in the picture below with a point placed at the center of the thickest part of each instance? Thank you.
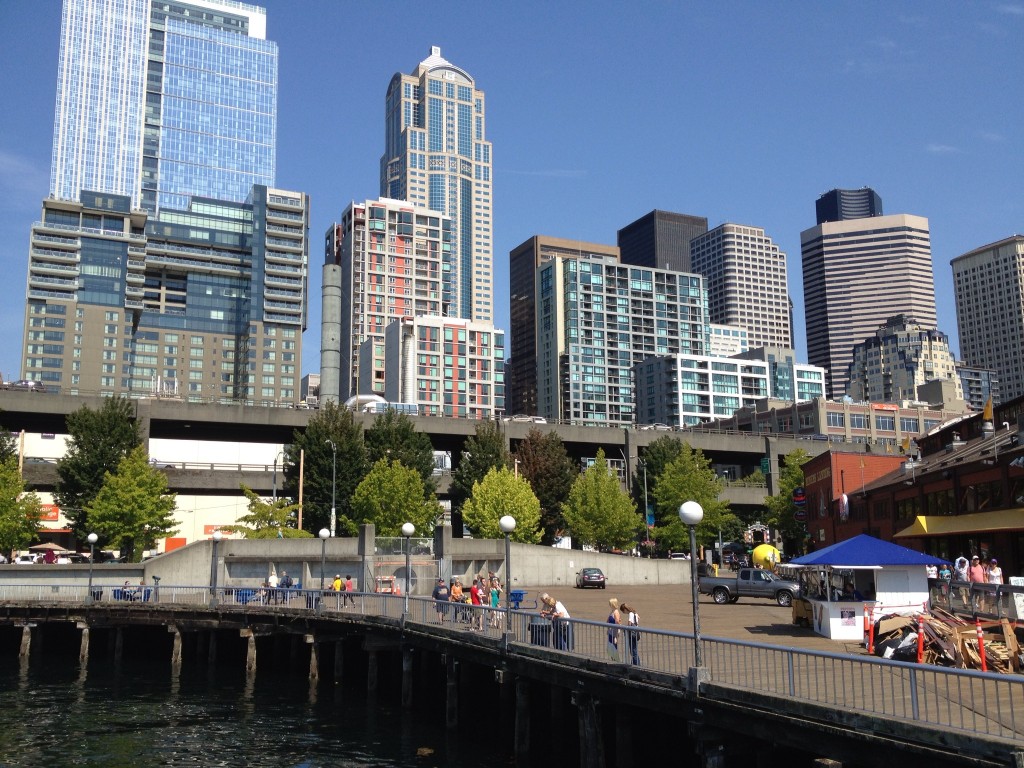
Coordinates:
(160, 101)
(165, 263)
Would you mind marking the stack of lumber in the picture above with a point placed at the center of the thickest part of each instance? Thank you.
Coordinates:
(949, 641)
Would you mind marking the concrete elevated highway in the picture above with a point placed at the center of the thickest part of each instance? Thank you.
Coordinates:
(174, 419)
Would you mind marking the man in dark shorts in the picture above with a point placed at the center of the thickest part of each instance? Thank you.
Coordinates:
(440, 595)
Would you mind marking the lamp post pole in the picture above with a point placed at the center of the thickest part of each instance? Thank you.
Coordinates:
(324, 536)
(275, 477)
(92, 538)
(408, 529)
(217, 536)
(650, 546)
(508, 524)
(334, 484)
(691, 513)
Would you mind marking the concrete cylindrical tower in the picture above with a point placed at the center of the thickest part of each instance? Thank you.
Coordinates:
(330, 334)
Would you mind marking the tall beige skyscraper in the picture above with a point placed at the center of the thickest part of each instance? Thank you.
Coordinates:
(857, 274)
(436, 156)
(989, 288)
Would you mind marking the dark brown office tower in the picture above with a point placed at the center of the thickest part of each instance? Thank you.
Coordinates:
(661, 239)
(521, 370)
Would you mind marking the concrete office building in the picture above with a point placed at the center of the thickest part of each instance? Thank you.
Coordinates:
(447, 366)
(384, 261)
(205, 303)
(521, 384)
(596, 319)
(846, 204)
(745, 273)
(902, 355)
(437, 156)
(661, 239)
(163, 101)
(726, 340)
(857, 273)
(988, 285)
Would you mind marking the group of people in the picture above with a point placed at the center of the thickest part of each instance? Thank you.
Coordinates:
(344, 587)
(975, 571)
(484, 594)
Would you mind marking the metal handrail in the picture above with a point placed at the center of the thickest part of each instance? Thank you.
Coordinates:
(957, 700)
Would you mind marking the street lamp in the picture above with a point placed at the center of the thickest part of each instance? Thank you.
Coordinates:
(408, 529)
(691, 513)
(92, 538)
(507, 524)
(324, 536)
(217, 536)
(334, 485)
(279, 453)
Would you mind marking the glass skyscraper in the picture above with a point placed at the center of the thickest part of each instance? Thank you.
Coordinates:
(160, 101)
(436, 155)
(165, 263)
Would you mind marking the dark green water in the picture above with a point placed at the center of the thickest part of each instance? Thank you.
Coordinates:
(140, 715)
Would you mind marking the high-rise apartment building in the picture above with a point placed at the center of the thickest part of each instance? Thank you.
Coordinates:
(661, 239)
(447, 366)
(205, 303)
(436, 156)
(902, 355)
(160, 101)
(521, 385)
(165, 256)
(857, 273)
(845, 204)
(988, 285)
(384, 261)
(745, 274)
(596, 319)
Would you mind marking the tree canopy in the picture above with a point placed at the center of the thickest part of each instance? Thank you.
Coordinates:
(98, 441)
(331, 423)
(393, 436)
(655, 457)
(482, 452)
(544, 462)
(19, 511)
(498, 494)
(781, 509)
(133, 508)
(599, 512)
(689, 477)
(267, 520)
(391, 495)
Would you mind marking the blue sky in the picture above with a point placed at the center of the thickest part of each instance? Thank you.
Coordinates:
(602, 111)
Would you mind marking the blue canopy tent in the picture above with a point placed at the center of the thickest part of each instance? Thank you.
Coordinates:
(865, 551)
(883, 576)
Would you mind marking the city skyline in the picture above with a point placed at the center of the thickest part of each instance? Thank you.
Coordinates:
(838, 99)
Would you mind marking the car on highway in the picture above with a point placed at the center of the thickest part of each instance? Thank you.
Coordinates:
(590, 577)
(28, 384)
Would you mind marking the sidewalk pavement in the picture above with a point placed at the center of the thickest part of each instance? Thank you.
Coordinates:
(669, 607)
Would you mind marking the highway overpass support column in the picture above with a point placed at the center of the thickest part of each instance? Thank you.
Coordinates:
(771, 452)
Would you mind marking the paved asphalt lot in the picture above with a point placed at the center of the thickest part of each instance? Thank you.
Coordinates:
(669, 607)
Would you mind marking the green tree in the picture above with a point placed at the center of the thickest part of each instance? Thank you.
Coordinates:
(335, 423)
(544, 462)
(501, 493)
(133, 508)
(391, 495)
(781, 508)
(19, 511)
(656, 456)
(268, 520)
(8, 446)
(599, 512)
(393, 436)
(98, 441)
(689, 477)
(482, 452)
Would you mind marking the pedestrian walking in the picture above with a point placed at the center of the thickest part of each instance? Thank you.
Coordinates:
(441, 596)
(632, 620)
(615, 619)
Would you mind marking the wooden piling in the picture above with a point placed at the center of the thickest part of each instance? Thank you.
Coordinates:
(26, 642)
(591, 737)
(407, 682)
(314, 657)
(339, 660)
(83, 648)
(371, 671)
(451, 709)
(175, 648)
(521, 746)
